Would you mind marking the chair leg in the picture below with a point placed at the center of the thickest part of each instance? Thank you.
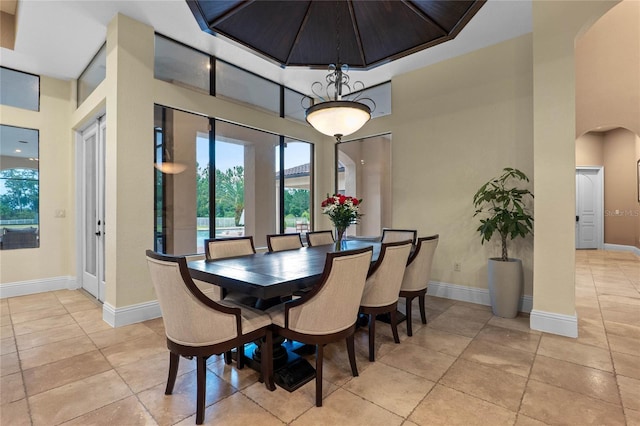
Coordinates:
(394, 325)
(227, 357)
(352, 355)
(201, 387)
(423, 313)
(319, 356)
(372, 337)
(240, 362)
(174, 361)
(408, 311)
(266, 366)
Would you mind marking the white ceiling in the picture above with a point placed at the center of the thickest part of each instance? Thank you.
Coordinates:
(58, 38)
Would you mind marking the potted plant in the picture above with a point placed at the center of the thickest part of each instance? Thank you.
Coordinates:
(501, 204)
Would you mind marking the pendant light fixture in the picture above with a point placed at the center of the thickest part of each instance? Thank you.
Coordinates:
(166, 166)
(337, 115)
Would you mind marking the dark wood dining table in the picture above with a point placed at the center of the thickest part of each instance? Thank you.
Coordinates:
(272, 275)
(269, 277)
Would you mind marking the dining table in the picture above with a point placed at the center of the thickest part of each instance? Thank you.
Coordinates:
(269, 277)
(273, 274)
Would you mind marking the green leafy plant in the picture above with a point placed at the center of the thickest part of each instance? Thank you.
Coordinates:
(502, 204)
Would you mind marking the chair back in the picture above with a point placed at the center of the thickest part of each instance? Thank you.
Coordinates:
(418, 272)
(280, 242)
(332, 304)
(190, 318)
(213, 292)
(383, 284)
(392, 235)
(319, 238)
(221, 248)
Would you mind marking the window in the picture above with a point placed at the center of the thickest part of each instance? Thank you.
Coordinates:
(244, 193)
(381, 97)
(235, 83)
(297, 185)
(364, 171)
(93, 75)
(19, 89)
(181, 65)
(295, 105)
(220, 182)
(19, 188)
(178, 181)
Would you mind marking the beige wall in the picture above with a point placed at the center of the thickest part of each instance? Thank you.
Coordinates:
(555, 28)
(55, 257)
(608, 71)
(620, 193)
(637, 206)
(455, 125)
(590, 149)
(615, 150)
(608, 95)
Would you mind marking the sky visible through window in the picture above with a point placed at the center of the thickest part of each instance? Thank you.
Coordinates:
(229, 155)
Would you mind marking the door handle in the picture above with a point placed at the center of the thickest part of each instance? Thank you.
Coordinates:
(98, 233)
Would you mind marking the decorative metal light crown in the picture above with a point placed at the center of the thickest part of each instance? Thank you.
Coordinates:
(335, 116)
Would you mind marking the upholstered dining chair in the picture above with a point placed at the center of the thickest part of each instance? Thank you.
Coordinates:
(199, 327)
(417, 276)
(329, 311)
(213, 292)
(221, 248)
(390, 235)
(381, 290)
(319, 238)
(279, 242)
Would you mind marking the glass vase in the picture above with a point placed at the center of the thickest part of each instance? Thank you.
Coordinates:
(339, 237)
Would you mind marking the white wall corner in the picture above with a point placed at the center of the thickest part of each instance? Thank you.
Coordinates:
(23, 288)
(549, 322)
(619, 247)
(471, 294)
(118, 317)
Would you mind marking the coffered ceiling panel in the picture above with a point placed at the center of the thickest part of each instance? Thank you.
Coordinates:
(314, 33)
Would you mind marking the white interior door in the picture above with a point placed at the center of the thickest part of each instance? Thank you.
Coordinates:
(589, 208)
(93, 225)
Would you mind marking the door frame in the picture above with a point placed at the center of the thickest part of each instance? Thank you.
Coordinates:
(599, 201)
(79, 195)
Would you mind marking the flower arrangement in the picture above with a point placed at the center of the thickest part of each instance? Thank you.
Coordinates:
(343, 210)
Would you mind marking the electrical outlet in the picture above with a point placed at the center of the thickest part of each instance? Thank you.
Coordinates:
(60, 213)
(457, 267)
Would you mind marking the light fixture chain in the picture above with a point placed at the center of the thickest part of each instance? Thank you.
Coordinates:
(338, 63)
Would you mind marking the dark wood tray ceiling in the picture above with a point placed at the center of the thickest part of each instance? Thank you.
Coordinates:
(303, 33)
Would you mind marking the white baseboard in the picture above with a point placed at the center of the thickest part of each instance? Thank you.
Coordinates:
(549, 322)
(23, 288)
(471, 294)
(620, 247)
(126, 315)
(118, 317)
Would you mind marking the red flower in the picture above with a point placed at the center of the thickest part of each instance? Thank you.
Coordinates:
(355, 201)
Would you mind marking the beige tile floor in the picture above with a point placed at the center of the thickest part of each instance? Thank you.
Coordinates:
(61, 364)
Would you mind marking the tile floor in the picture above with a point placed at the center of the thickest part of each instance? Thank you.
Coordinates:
(61, 364)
